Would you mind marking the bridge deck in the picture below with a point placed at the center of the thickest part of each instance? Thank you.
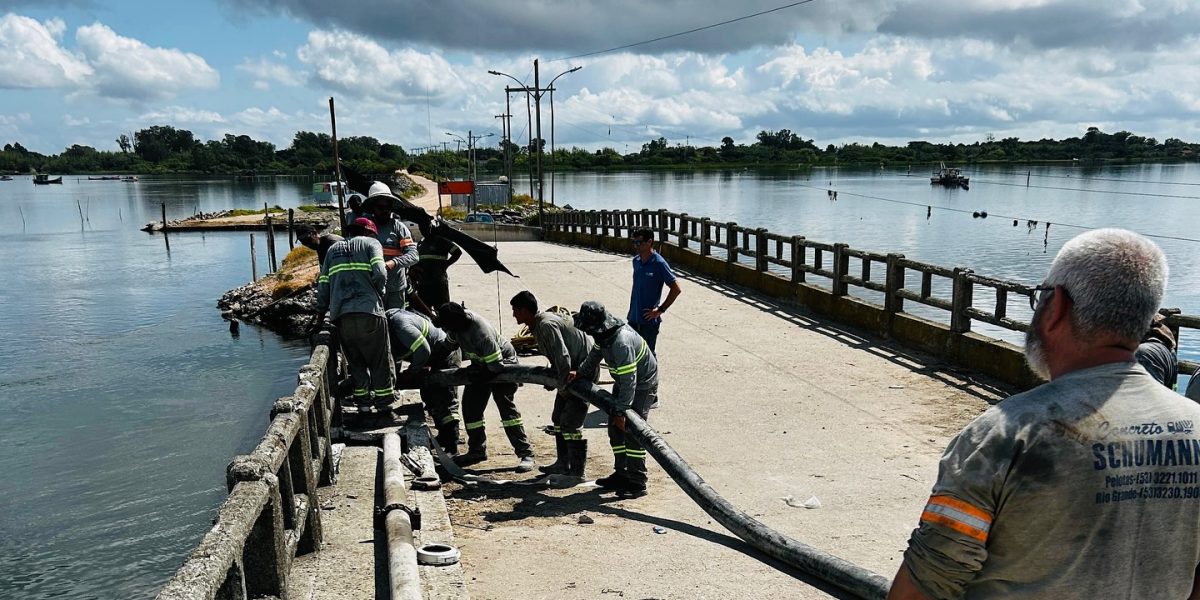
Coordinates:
(763, 401)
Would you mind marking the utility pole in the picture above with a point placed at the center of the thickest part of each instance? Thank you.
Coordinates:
(537, 85)
(505, 133)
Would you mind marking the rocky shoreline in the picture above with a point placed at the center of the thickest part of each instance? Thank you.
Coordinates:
(284, 302)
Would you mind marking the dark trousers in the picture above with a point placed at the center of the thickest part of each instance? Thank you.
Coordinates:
(442, 401)
(475, 400)
(629, 458)
(649, 332)
(364, 339)
(434, 288)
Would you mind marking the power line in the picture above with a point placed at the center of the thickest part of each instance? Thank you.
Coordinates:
(1087, 178)
(1068, 189)
(969, 212)
(681, 33)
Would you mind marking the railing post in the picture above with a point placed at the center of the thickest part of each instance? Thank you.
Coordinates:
(960, 322)
(683, 230)
(841, 264)
(299, 463)
(664, 222)
(265, 555)
(798, 259)
(705, 236)
(760, 259)
(731, 242)
(629, 224)
(894, 282)
(604, 219)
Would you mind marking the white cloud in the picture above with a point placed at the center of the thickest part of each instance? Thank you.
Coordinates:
(73, 121)
(31, 57)
(265, 72)
(363, 68)
(128, 68)
(181, 115)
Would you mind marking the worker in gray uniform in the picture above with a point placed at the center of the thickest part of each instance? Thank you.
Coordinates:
(635, 373)
(416, 340)
(566, 348)
(399, 249)
(350, 287)
(489, 354)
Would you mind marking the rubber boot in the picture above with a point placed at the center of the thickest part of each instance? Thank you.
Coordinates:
(576, 465)
(447, 437)
(559, 466)
(476, 448)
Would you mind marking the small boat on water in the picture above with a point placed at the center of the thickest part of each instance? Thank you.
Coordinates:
(45, 180)
(105, 178)
(5, 178)
(950, 177)
(130, 179)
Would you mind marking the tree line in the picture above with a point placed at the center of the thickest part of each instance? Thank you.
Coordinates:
(165, 149)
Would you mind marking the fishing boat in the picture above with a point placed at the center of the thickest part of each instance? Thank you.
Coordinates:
(45, 180)
(5, 178)
(130, 179)
(950, 177)
(105, 178)
(326, 192)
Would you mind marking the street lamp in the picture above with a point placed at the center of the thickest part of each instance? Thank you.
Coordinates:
(528, 115)
(553, 159)
(459, 138)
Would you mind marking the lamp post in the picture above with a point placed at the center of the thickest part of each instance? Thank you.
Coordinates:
(459, 138)
(553, 159)
(529, 116)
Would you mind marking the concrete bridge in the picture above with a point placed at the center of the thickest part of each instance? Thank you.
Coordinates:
(771, 404)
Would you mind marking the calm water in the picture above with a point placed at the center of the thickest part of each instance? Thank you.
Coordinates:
(124, 396)
(881, 221)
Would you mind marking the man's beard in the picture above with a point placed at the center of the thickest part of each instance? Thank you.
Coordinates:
(1035, 350)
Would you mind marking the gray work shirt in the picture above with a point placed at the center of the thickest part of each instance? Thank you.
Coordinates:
(1084, 487)
(413, 337)
(630, 362)
(559, 341)
(481, 344)
(352, 278)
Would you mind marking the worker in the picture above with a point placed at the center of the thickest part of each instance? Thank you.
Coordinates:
(399, 250)
(350, 287)
(427, 348)
(566, 347)
(1078, 488)
(320, 242)
(430, 273)
(635, 374)
(650, 273)
(1157, 352)
(488, 353)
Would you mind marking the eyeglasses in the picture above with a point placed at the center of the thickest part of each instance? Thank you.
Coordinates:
(1035, 292)
(637, 242)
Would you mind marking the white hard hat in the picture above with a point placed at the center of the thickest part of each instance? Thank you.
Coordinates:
(379, 188)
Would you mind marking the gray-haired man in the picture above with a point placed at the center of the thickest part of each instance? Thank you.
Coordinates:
(1087, 486)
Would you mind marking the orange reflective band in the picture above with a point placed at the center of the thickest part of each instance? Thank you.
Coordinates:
(406, 242)
(958, 516)
(391, 252)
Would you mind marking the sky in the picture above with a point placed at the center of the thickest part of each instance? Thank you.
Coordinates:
(412, 71)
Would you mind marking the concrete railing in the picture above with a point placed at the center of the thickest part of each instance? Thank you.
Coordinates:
(784, 266)
(272, 512)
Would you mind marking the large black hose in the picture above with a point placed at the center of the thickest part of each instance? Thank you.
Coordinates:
(822, 565)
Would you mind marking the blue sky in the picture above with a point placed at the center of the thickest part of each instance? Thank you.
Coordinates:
(407, 71)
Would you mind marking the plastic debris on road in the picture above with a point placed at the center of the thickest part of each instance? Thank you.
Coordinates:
(660, 530)
(811, 503)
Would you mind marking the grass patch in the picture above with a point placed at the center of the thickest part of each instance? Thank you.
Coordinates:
(311, 208)
(449, 213)
(522, 199)
(297, 257)
(242, 212)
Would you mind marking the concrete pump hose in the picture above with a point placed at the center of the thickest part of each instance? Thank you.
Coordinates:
(838, 572)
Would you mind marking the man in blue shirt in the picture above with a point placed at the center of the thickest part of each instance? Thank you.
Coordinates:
(650, 273)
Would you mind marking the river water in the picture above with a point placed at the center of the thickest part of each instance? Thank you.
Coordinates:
(123, 395)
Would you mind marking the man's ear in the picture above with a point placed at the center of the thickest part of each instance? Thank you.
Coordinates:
(1058, 309)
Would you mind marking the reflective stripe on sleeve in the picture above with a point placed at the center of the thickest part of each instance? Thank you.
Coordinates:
(412, 348)
(631, 367)
(958, 516)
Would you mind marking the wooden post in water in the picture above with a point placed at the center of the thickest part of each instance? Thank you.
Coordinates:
(164, 217)
(253, 261)
(291, 229)
(271, 246)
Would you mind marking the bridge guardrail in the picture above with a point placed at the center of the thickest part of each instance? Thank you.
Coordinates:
(272, 513)
(767, 261)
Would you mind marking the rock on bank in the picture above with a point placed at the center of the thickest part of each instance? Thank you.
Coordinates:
(284, 302)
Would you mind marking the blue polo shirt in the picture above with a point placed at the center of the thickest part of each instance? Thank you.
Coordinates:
(648, 281)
